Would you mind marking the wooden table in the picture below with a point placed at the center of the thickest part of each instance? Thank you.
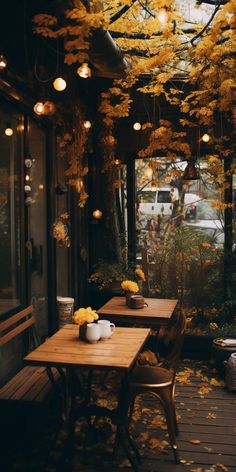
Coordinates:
(156, 314)
(65, 350)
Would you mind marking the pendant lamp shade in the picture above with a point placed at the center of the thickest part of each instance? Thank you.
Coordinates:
(191, 172)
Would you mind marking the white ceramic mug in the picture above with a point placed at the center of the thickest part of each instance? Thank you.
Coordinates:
(106, 328)
(93, 332)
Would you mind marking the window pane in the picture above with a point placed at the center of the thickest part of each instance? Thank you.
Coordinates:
(9, 214)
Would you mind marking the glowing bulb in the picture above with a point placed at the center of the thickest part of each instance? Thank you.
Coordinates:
(137, 126)
(8, 131)
(39, 108)
(206, 138)
(27, 177)
(117, 162)
(97, 214)
(27, 188)
(148, 173)
(162, 16)
(3, 62)
(41, 186)
(84, 71)
(59, 84)
(87, 124)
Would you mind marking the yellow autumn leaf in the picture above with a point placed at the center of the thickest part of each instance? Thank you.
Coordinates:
(211, 416)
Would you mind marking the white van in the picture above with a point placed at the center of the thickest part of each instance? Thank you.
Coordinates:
(159, 201)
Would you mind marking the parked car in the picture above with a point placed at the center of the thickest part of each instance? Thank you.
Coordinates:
(207, 221)
(159, 201)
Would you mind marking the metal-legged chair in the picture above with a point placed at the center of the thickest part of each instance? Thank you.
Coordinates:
(160, 382)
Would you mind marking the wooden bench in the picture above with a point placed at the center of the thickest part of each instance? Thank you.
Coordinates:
(31, 385)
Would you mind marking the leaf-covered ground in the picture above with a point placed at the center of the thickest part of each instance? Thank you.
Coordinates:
(207, 431)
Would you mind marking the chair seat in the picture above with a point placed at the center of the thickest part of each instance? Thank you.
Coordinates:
(151, 376)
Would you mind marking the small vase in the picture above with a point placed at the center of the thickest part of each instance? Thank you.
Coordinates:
(82, 331)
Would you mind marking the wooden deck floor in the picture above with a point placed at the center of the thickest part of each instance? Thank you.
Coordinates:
(206, 441)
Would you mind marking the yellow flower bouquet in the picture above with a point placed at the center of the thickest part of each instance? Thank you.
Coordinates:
(84, 315)
(81, 317)
(130, 286)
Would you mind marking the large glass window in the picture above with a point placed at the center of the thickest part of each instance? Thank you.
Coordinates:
(10, 293)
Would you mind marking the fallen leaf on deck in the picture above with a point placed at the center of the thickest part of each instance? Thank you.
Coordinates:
(204, 389)
(195, 441)
(211, 416)
(198, 469)
(158, 443)
(222, 467)
(217, 383)
(209, 449)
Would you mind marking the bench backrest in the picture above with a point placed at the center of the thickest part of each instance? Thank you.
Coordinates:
(16, 324)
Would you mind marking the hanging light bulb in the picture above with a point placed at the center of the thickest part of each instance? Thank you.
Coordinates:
(206, 138)
(162, 16)
(117, 162)
(87, 124)
(97, 214)
(27, 177)
(3, 62)
(39, 108)
(191, 172)
(9, 131)
(59, 84)
(137, 126)
(84, 71)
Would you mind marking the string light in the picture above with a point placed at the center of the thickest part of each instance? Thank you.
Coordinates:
(97, 214)
(9, 131)
(59, 84)
(3, 62)
(137, 126)
(87, 124)
(39, 108)
(27, 177)
(117, 162)
(41, 186)
(84, 71)
(27, 188)
(206, 138)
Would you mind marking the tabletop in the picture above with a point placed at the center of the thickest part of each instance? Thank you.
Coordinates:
(157, 313)
(65, 349)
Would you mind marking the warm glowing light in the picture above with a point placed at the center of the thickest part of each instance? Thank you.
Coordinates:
(148, 173)
(137, 126)
(9, 131)
(162, 16)
(41, 186)
(79, 185)
(97, 214)
(3, 62)
(59, 84)
(27, 177)
(84, 71)
(117, 162)
(87, 124)
(28, 163)
(39, 108)
(206, 138)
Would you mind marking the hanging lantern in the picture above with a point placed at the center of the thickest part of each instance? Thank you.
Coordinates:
(3, 62)
(84, 71)
(97, 214)
(39, 108)
(59, 84)
(137, 126)
(191, 172)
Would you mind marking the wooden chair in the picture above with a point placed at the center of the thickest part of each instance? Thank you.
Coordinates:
(160, 382)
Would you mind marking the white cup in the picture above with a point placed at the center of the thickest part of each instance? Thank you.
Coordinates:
(106, 328)
(93, 332)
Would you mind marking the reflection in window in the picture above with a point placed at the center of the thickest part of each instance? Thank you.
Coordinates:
(9, 214)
